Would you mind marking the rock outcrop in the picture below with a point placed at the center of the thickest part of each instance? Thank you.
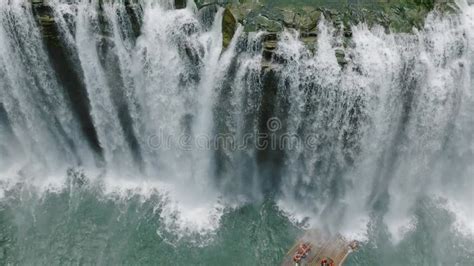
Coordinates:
(273, 16)
(229, 25)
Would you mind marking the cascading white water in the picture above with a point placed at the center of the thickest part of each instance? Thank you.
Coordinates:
(165, 98)
(388, 127)
(241, 94)
(36, 110)
(391, 127)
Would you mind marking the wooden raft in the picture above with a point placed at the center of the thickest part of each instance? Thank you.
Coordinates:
(323, 246)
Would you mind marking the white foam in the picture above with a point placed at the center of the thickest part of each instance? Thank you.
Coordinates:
(353, 227)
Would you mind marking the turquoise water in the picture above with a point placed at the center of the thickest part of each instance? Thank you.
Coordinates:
(81, 225)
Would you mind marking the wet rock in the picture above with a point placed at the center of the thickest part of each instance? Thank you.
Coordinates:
(269, 47)
(229, 25)
(270, 44)
(44, 18)
(308, 19)
(288, 18)
(180, 4)
(309, 39)
(266, 24)
(245, 12)
(341, 57)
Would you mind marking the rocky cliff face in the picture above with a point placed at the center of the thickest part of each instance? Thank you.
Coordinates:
(303, 15)
(272, 17)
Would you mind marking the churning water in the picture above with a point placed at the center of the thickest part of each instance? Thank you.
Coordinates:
(132, 136)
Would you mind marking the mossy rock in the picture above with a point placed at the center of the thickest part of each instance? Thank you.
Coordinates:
(341, 56)
(267, 24)
(229, 25)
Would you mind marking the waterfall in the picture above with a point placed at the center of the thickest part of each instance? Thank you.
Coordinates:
(33, 104)
(172, 109)
(383, 126)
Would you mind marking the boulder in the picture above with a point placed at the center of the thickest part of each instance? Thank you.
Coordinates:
(307, 19)
(244, 12)
(229, 25)
(266, 24)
